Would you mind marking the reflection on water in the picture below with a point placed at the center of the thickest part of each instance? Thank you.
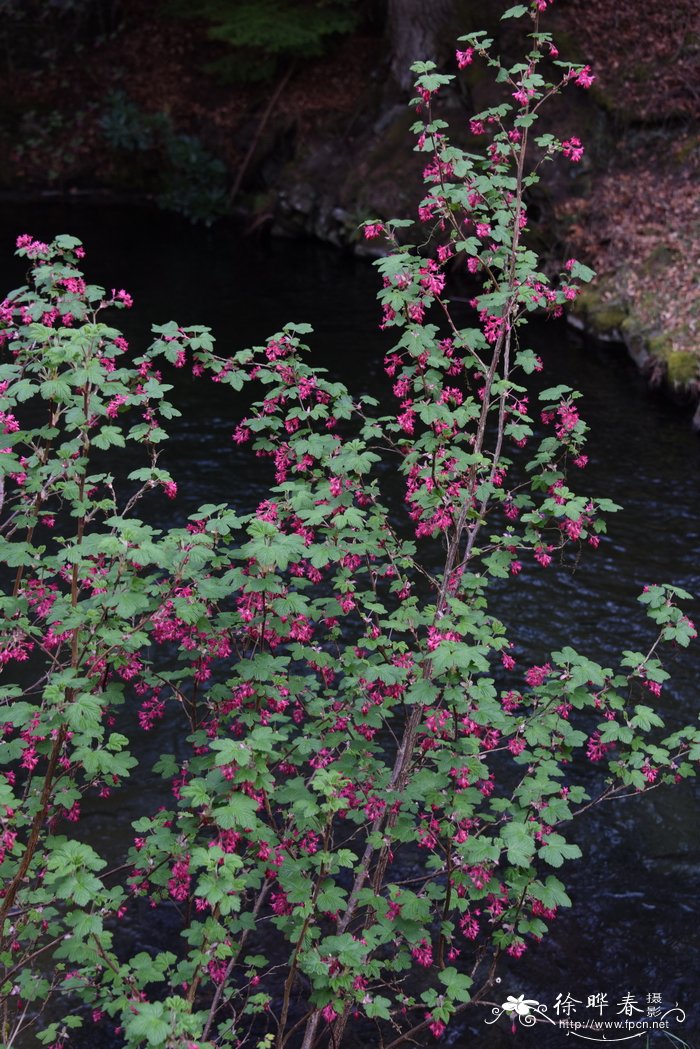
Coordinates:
(634, 924)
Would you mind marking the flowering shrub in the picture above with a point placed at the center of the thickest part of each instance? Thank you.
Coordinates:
(375, 793)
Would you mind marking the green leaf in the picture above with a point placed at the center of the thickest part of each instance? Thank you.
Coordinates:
(457, 984)
(108, 437)
(67, 242)
(644, 718)
(556, 849)
(422, 691)
(378, 1007)
(514, 12)
(581, 272)
(55, 390)
(527, 360)
(332, 899)
(555, 393)
(148, 1024)
(520, 844)
(239, 811)
(551, 893)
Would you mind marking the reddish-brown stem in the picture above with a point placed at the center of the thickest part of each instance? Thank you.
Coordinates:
(35, 832)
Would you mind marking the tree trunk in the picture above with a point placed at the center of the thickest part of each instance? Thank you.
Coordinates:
(418, 30)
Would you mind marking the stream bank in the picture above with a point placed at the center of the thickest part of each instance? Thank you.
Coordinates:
(131, 107)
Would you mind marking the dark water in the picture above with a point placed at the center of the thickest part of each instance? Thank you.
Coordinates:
(634, 926)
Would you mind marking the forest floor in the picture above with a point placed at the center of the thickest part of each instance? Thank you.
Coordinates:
(634, 216)
(639, 224)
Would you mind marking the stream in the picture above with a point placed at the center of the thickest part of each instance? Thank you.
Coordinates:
(634, 927)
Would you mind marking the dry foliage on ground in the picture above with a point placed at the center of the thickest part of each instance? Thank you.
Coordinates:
(639, 223)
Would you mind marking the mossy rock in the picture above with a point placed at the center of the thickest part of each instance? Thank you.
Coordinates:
(608, 318)
(681, 365)
(660, 346)
(600, 316)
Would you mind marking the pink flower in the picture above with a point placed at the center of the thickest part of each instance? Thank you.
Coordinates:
(469, 926)
(542, 557)
(114, 405)
(492, 327)
(407, 418)
(479, 876)
(372, 230)
(537, 675)
(510, 701)
(393, 911)
(76, 285)
(595, 750)
(584, 78)
(179, 883)
(572, 149)
(33, 248)
(517, 948)
(241, 434)
(568, 419)
(423, 954)
(437, 1027)
(524, 94)
(279, 903)
(217, 970)
(123, 297)
(464, 58)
